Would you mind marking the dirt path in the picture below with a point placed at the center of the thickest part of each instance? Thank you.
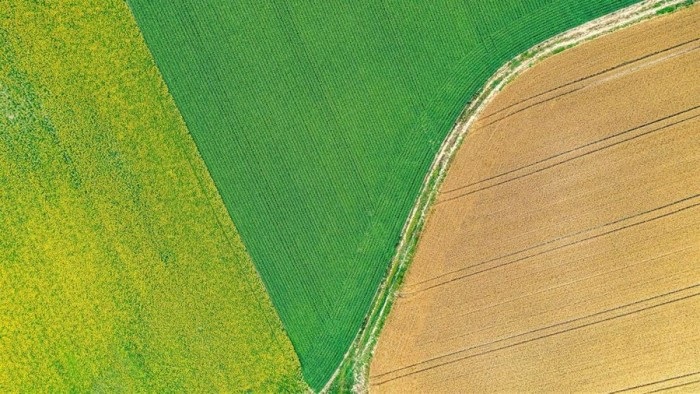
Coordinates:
(568, 216)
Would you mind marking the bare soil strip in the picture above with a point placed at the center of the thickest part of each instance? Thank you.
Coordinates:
(562, 252)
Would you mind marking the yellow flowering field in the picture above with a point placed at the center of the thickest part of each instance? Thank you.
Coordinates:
(120, 268)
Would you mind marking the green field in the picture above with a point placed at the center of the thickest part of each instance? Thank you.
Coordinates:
(120, 270)
(319, 120)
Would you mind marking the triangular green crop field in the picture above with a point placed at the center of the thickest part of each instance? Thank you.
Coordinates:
(318, 122)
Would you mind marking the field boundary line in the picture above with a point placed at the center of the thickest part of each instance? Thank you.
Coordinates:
(354, 368)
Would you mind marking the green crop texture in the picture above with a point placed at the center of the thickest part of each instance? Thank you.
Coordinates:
(120, 270)
(318, 121)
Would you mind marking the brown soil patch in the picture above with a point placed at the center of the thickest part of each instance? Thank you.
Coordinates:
(563, 252)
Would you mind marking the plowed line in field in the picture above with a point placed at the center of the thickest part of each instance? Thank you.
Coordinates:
(657, 382)
(578, 148)
(566, 160)
(609, 69)
(673, 387)
(546, 332)
(532, 105)
(602, 78)
(597, 81)
(588, 234)
(564, 323)
(570, 283)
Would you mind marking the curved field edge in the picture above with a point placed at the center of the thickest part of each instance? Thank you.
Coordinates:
(136, 284)
(352, 374)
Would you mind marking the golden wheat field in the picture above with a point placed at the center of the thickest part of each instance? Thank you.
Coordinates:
(563, 252)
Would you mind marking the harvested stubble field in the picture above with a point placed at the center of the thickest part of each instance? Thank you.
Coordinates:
(318, 122)
(562, 252)
(120, 270)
